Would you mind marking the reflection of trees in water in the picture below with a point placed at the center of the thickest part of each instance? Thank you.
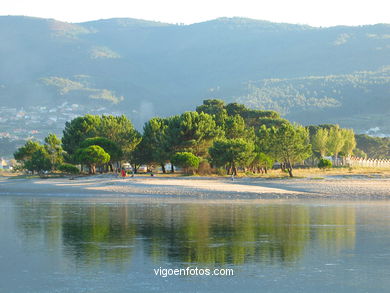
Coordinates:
(98, 233)
(93, 233)
(334, 227)
(227, 234)
(89, 233)
(243, 233)
(39, 221)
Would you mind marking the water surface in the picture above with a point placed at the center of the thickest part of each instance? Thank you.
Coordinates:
(114, 245)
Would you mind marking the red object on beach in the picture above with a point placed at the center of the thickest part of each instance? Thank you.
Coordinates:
(123, 173)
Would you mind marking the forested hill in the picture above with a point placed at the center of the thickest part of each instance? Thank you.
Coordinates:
(144, 68)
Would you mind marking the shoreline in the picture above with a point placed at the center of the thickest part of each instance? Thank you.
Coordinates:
(341, 187)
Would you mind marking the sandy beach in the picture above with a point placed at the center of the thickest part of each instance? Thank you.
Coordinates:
(332, 187)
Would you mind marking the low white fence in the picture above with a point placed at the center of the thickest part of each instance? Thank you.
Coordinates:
(361, 162)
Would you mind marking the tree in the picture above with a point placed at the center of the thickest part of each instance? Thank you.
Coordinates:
(76, 131)
(109, 146)
(374, 147)
(192, 132)
(335, 141)
(33, 157)
(54, 150)
(154, 147)
(349, 142)
(232, 153)
(121, 131)
(262, 162)
(68, 168)
(92, 156)
(215, 108)
(185, 160)
(25, 152)
(319, 141)
(235, 127)
(39, 162)
(118, 129)
(290, 144)
(324, 164)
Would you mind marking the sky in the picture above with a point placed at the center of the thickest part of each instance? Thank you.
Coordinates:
(312, 12)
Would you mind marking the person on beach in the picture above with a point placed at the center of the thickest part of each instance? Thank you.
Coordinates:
(123, 172)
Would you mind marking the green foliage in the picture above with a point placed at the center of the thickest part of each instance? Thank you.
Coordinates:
(235, 127)
(92, 156)
(77, 130)
(109, 146)
(68, 168)
(349, 141)
(261, 160)
(324, 164)
(185, 160)
(154, 147)
(319, 141)
(66, 86)
(33, 157)
(232, 153)
(374, 147)
(290, 144)
(25, 152)
(54, 150)
(335, 141)
(192, 132)
(39, 162)
(214, 107)
(321, 97)
(117, 129)
(121, 131)
(359, 153)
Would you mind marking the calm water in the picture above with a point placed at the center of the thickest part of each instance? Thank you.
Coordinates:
(114, 245)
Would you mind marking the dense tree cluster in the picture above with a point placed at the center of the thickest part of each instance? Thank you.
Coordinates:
(331, 140)
(229, 136)
(373, 147)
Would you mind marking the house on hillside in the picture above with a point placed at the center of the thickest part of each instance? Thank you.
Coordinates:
(3, 164)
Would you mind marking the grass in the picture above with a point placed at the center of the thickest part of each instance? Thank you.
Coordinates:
(311, 173)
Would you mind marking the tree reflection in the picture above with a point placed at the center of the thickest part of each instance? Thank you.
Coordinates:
(97, 234)
(93, 233)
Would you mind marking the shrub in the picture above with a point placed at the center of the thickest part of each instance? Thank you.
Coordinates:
(324, 164)
(68, 168)
(186, 161)
(204, 168)
(221, 171)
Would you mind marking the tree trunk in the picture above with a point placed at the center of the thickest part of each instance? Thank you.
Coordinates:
(163, 168)
(234, 169)
(172, 168)
(289, 169)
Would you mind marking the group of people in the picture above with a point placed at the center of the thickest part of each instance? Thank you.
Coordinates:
(122, 172)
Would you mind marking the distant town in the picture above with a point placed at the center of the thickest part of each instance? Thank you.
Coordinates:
(35, 122)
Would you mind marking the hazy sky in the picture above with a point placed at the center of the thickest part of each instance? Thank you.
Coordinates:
(312, 12)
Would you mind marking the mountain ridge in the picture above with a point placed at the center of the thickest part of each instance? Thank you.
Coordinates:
(136, 66)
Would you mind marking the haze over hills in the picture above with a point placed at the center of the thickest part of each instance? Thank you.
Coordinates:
(143, 68)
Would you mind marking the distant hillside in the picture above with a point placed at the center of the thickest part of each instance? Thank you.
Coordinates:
(351, 99)
(143, 68)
